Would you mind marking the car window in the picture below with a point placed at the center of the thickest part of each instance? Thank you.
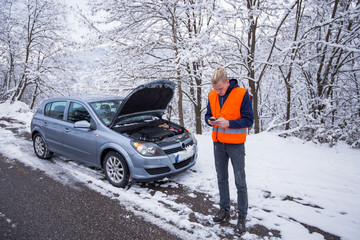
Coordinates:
(55, 109)
(106, 110)
(77, 112)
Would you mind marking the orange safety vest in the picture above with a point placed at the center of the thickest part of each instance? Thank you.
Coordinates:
(230, 111)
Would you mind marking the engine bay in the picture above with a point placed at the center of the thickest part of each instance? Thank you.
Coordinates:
(152, 131)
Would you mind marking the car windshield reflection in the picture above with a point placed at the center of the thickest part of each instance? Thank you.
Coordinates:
(106, 110)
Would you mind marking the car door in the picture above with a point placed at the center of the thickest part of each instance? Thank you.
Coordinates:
(52, 125)
(79, 143)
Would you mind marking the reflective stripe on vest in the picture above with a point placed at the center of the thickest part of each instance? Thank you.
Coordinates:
(229, 130)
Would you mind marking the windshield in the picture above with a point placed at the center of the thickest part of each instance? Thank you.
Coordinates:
(106, 110)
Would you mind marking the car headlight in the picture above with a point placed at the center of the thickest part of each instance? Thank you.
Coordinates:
(192, 135)
(148, 149)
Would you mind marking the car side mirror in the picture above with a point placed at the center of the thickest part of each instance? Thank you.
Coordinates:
(82, 124)
(85, 124)
(92, 124)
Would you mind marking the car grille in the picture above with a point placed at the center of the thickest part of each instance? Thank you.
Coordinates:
(154, 171)
(161, 170)
(183, 163)
(177, 149)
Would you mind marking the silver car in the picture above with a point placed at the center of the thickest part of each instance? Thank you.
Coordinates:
(126, 137)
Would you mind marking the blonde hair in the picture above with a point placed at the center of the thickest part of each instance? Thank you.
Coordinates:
(219, 74)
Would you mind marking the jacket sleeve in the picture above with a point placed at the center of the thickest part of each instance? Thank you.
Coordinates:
(208, 114)
(247, 114)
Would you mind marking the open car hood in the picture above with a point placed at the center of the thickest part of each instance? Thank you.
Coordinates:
(152, 97)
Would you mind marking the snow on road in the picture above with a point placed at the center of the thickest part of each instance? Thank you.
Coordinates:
(297, 190)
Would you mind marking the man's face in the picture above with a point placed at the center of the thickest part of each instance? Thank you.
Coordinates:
(221, 87)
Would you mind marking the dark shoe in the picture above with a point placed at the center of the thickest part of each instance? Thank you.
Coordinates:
(240, 227)
(222, 215)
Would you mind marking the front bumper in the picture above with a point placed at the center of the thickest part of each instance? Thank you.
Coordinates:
(151, 169)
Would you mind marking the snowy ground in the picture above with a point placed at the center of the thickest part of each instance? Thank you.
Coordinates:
(297, 190)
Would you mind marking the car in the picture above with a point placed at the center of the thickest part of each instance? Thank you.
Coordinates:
(127, 137)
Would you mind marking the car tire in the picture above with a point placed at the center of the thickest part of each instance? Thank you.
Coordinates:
(116, 169)
(40, 147)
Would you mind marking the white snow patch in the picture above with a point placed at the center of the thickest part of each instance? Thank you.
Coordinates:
(291, 184)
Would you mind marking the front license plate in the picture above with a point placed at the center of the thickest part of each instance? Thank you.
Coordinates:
(183, 155)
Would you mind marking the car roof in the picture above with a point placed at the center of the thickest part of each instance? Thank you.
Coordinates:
(86, 98)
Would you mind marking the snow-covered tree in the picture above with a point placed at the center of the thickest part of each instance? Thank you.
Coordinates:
(300, 59)
(33, 38)
(330, 55)
(164, 39)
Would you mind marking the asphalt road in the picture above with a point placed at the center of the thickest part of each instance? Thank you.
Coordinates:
(33, 206)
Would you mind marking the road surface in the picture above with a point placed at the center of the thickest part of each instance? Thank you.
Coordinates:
(33, 206)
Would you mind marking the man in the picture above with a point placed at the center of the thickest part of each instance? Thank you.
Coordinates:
(230, 113)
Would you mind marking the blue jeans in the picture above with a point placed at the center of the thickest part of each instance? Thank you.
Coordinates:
(236, 152)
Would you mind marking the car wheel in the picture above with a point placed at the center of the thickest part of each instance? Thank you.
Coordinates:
(116, 169)
(40, 147)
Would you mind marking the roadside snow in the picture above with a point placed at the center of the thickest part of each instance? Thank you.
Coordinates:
(291, 182)
(301, 189)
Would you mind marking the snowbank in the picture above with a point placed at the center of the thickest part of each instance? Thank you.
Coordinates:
(301, 189)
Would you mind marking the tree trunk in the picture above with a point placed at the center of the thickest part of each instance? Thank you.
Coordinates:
(34, 97)
(251, 74)
(180, 100)
(293, 57)
(198, 105)
(288, 106)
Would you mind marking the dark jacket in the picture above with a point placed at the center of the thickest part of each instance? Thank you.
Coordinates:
(246, 111)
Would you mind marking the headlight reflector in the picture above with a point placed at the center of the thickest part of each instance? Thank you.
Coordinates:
(148, 149)
(192, 135)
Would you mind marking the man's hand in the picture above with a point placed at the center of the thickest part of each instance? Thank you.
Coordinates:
(212, 121)
(221, 122)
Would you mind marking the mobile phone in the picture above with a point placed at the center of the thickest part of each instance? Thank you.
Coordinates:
(212, 119)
